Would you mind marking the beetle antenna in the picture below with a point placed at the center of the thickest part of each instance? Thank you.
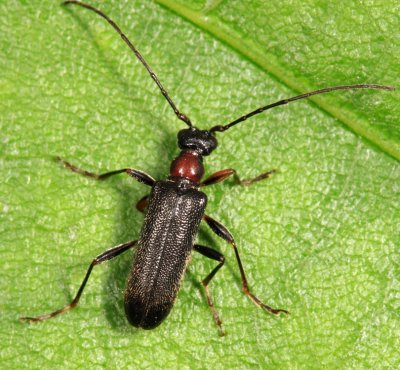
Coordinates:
(179, 114)
(220, 128)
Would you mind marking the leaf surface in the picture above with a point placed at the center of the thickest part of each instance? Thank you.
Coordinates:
(321, 238)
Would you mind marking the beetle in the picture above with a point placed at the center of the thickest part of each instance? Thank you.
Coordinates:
(174, 210)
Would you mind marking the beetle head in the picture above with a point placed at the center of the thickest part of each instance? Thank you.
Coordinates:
(201, 141)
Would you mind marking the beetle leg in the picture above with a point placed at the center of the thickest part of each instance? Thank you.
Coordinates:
(105, 256)
(136, 174)
(217, 177)
(143, 204)
(222, 175)
(223, 232)
(215, 255)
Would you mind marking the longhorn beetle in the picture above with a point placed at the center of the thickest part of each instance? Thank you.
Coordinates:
(175, 208)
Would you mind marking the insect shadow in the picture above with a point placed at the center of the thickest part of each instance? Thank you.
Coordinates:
(128, 224)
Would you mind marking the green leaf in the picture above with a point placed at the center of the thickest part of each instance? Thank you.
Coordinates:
(320, 238)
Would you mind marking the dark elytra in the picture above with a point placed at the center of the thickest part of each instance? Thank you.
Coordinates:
(154, 280)
(175, 208)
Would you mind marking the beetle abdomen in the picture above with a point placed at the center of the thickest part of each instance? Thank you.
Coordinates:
(164, 248)
(143, 315)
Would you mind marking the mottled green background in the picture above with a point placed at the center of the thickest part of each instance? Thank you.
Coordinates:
(321, 238)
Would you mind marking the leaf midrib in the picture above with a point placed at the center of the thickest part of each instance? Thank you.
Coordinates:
(270, 65)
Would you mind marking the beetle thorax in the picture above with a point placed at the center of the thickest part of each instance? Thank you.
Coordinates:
(188, 165)
(194, 144)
